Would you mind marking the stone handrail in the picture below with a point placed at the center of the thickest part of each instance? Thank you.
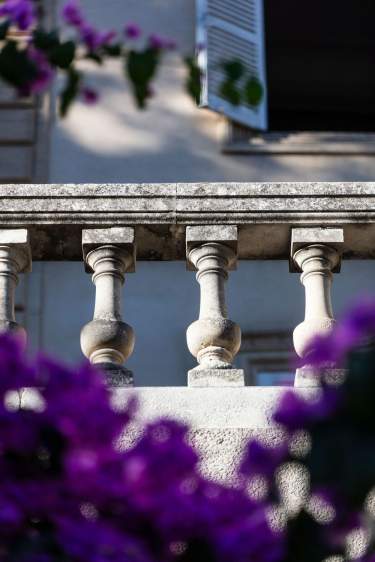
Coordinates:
(109, 227)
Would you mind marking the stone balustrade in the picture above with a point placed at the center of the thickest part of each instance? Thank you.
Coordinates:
(211, 226)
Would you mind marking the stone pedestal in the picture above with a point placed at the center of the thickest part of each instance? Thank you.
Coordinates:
(215, 377)
(308, 377)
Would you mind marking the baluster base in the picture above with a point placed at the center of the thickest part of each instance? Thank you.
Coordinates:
(199, 377)
(311, 376)
(116, 376)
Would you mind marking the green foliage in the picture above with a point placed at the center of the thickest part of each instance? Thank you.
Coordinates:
(70, 91)
(234, 70)
(15, 67)
(230, 92)
(114, 50)
(253, 91)
(60, 54)
(140, 68)
(4, 26)
(305, 541)
(193, 80)
(237, 88)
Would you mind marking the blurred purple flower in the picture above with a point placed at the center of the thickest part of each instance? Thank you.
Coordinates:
(158, 42)
(357, 325)
(93, 38)
(67, 488)
(262, 460)
(132, 31)
(20, 12)
(90, 96)
(72, 13)
(44, 73)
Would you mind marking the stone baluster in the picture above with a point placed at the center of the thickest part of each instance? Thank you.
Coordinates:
(213, 339)
(15, 258)
(108, 341)
(316, 252)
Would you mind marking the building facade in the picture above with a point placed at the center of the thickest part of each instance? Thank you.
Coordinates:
(173, 141)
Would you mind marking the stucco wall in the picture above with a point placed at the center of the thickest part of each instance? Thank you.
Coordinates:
(171, 141)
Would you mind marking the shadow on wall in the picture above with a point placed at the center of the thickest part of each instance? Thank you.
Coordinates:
(171, 141)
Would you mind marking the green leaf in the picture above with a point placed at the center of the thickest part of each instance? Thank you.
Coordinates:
(4, 26)
(62, 55)
(44, 40)
(253, 91)
(229, 91)
(15, 66)
(306, 540)
(140, 68)
(95, 57)
(59, 54)
(114, 50)
(234, 70)
(70, 91)
(193, 80)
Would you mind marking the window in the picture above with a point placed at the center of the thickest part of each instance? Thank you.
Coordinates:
(317, 62)
(267, 359)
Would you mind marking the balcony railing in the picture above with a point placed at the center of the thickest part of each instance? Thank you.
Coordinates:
(109, 227)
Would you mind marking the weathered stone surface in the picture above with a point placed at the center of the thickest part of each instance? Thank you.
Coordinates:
(18, 239)
(317, 261)
(117, 376)
(264, 213)
(310, 377)
(301, 237)
(124, 238)
(213, 339)
(216, 377)
(15, 258)
(108, 254)
(197, 235)
(216, 408)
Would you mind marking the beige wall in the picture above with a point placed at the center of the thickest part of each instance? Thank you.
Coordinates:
(172, 141)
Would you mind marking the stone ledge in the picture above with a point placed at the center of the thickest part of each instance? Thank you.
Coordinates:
(216, 408)
(263, 212)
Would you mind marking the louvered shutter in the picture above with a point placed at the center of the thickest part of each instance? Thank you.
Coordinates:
(230, 30)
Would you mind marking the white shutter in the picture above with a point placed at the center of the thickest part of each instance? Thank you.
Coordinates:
(230, 30)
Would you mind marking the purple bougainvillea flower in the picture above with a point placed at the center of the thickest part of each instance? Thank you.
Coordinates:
(293, 412)
(89, 96)
(95, 39)
(158, 42)
(68, 488)
(20, 12)
(357, 325)
(44, 75)
(262, 460)
(132, 31)
(72, 13)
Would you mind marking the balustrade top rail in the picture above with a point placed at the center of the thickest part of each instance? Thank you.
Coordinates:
(264, 213)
